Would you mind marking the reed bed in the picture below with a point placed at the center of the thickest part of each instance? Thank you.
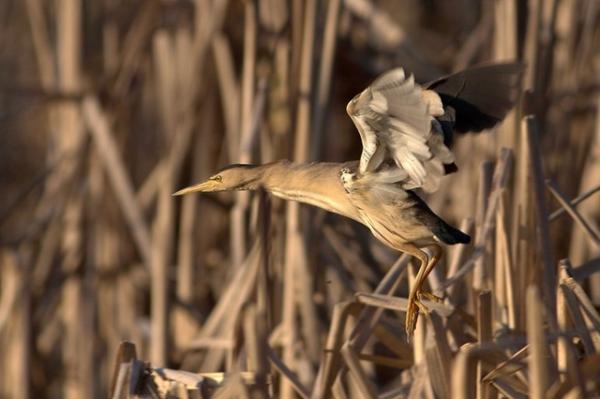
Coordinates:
(110, 287)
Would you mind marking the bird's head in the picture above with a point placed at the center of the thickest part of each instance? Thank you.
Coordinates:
(232, 177)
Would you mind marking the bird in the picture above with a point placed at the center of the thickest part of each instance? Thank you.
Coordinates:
(407, 131)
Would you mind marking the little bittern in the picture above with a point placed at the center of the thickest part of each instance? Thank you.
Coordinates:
(406, 132)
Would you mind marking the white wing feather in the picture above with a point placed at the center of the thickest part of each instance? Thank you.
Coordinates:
(394, 118)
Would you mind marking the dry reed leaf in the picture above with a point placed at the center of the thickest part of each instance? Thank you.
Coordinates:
(510, 366)
(289, 375)
(400, 304)
(573, 203)
(99, 128)
(364, 385)
(579, 219)
(150, 63)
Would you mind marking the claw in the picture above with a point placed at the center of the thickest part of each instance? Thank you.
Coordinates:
(412, 313)
(416, 306)
(429, 296)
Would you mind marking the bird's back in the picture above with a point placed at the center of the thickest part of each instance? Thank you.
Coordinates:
(397, 216)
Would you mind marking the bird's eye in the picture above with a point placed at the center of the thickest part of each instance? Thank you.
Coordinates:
(216, 178)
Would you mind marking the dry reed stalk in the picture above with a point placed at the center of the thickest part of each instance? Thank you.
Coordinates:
(418, 337)
(578, 249)
(537, 342)
(110, 41)
(104, 299)
(126, 353)
(98, 126)
(505, 49)
(387, 33)
(591, 327)
(163, 51)
(224, 316)
(368, 318)
(573, 203)
(352, 262)
(185, 326)
(289, 375)
(228, 86)
(69, 139)
(273, 14)
(511, 367)
(247, 90)
(325, 74)
(464, 370)
(42, 44)
(532, 44)
(438, 356)
(478, 38)
(172, 103)
(18, 349)
(503, 290)
(592, 234)
(120, 390)
(499, 184)
(330, 361)
(295, 266)
(548, 265)
(456, 258)
(256, 347)
(364, 385)
(484, 334)
(11, 283)
(566, 355)
(482, 268)
(133, 45)
(399, 304)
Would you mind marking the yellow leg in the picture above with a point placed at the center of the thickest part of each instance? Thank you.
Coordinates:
(437, 252)
(412, 309)
(416, 293)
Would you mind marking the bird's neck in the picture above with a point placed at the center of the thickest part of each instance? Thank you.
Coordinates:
(315, 184)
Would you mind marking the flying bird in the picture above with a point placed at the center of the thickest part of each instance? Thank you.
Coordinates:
(407, 132)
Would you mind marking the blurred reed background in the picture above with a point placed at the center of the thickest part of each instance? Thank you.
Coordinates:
(107, 107)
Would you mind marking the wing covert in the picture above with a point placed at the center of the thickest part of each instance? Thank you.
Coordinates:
(394, 118)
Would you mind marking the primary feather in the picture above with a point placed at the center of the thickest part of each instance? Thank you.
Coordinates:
(394, 118)
(404, 125)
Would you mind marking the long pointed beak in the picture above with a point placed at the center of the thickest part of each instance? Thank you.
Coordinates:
(204, 186)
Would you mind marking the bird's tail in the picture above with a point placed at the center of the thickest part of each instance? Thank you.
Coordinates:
(450, 235)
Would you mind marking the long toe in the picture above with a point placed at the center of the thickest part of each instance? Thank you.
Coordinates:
(412, 312)
(421, 295)
(415, 306)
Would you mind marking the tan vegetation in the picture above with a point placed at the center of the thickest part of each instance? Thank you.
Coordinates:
(108, 107)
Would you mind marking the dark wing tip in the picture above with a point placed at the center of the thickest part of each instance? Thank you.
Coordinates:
(481, 96)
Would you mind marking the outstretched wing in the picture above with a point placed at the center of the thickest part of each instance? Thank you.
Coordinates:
(394, 118)
(480, 96)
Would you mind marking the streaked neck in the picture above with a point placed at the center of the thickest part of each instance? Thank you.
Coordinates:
(316, 184)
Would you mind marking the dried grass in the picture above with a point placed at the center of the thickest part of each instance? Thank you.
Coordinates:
(243, 296)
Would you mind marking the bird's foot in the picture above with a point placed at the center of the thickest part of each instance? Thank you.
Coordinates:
(429, 296)
(412, 313)
(415, 305)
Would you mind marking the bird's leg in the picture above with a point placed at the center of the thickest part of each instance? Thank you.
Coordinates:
(416, 292)
(437, 253)
(412, 309)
